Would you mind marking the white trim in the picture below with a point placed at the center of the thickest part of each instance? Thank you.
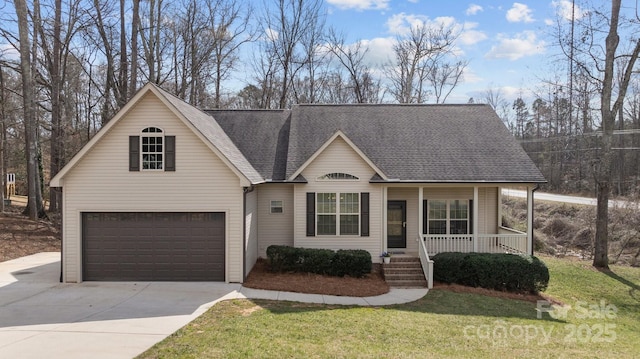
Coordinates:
(385, 205)
(475, 218)
(329, 142)
(530, 220)
(271, 207)
(338, 214)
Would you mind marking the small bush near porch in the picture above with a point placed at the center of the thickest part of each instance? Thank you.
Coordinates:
(499, 271)
(351, 262)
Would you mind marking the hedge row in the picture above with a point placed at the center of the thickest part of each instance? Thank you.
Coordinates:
(352, 262)
(499, 271)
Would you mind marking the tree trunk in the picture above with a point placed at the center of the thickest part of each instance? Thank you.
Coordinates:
(3, 185)
(57, 135)
(135, 25)
(29, 103)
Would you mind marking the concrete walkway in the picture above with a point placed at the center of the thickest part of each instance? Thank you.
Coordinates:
(42, 318)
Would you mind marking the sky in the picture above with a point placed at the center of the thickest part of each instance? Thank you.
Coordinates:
(509, 45)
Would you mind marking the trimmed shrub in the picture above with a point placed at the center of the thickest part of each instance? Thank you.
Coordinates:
(351, 262)
(354, 262)
(498, 271)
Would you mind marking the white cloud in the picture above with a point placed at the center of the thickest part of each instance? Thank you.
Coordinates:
(524, 44)
(360, 4)
(519, 13)
(471, 77)
(7, 51)
(401, 24)
(469, 36)
(380, 51)
(474, 9)
(565, 8)
(271, 34)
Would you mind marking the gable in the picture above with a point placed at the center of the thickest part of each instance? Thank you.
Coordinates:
(205, 129)
(108, 159)
(337, 157)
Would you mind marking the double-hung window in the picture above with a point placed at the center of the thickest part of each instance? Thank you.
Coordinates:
(338, 213)
(152, 150)
(448, 217)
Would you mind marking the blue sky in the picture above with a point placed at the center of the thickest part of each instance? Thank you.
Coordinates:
(509, 44)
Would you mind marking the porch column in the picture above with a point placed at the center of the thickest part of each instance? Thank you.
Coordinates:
(385, 193)
(420, 212)
(475, 218)
(529, 220)
(499, 208)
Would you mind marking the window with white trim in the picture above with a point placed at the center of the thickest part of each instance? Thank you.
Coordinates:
(338, 176)
(338, 213)
(277, 206)
(448, 217)
(152, 149)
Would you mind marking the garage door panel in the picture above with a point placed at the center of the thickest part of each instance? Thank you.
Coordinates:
(154, 246)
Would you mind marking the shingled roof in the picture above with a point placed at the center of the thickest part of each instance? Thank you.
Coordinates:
(261, 135)
(417, 143)
(408, 143)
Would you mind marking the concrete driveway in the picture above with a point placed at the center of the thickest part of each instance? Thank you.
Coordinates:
(42, 318)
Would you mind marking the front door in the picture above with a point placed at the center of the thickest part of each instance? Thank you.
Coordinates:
(397, 224)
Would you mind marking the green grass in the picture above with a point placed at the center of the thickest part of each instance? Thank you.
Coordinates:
(442, 324)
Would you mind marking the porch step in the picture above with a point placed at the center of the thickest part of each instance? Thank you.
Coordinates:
(404, 271)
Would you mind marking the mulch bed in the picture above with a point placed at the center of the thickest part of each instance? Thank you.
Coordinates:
(262, 278)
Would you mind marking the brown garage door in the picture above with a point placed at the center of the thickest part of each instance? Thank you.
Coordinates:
(153, 246)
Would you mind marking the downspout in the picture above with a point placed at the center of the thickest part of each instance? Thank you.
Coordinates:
(245, 190)
(533, 206)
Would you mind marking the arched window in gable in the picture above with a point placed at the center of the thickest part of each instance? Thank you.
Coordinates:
(338, 176)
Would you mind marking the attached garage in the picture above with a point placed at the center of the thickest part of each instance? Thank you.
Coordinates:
(157, 246)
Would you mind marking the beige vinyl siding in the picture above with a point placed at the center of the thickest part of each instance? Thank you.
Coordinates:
(275, 228)
(413, 216)
(251, 230)
(339, 157)
(488, 210)
(448, 193)
(101, 181)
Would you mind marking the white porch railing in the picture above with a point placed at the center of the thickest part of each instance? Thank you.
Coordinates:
(426, 262)
(487, 243)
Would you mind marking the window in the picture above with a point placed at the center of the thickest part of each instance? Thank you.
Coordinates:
(338, 213)
(338, 176)
(276, 207)
(448, 217)
(152, 150)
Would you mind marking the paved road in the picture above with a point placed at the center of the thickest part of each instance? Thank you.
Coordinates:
(562, 198)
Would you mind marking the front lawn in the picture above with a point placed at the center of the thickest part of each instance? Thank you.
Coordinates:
(603, 320)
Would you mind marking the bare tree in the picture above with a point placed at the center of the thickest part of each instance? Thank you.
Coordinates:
(351, 59)
(420, 56)
(35, 206)
(444, 76)
(494, 97)
(610, 105)
(3, 175)
(284, 28)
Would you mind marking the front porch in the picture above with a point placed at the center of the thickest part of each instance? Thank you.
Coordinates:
(452, 218)
(508, 241)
